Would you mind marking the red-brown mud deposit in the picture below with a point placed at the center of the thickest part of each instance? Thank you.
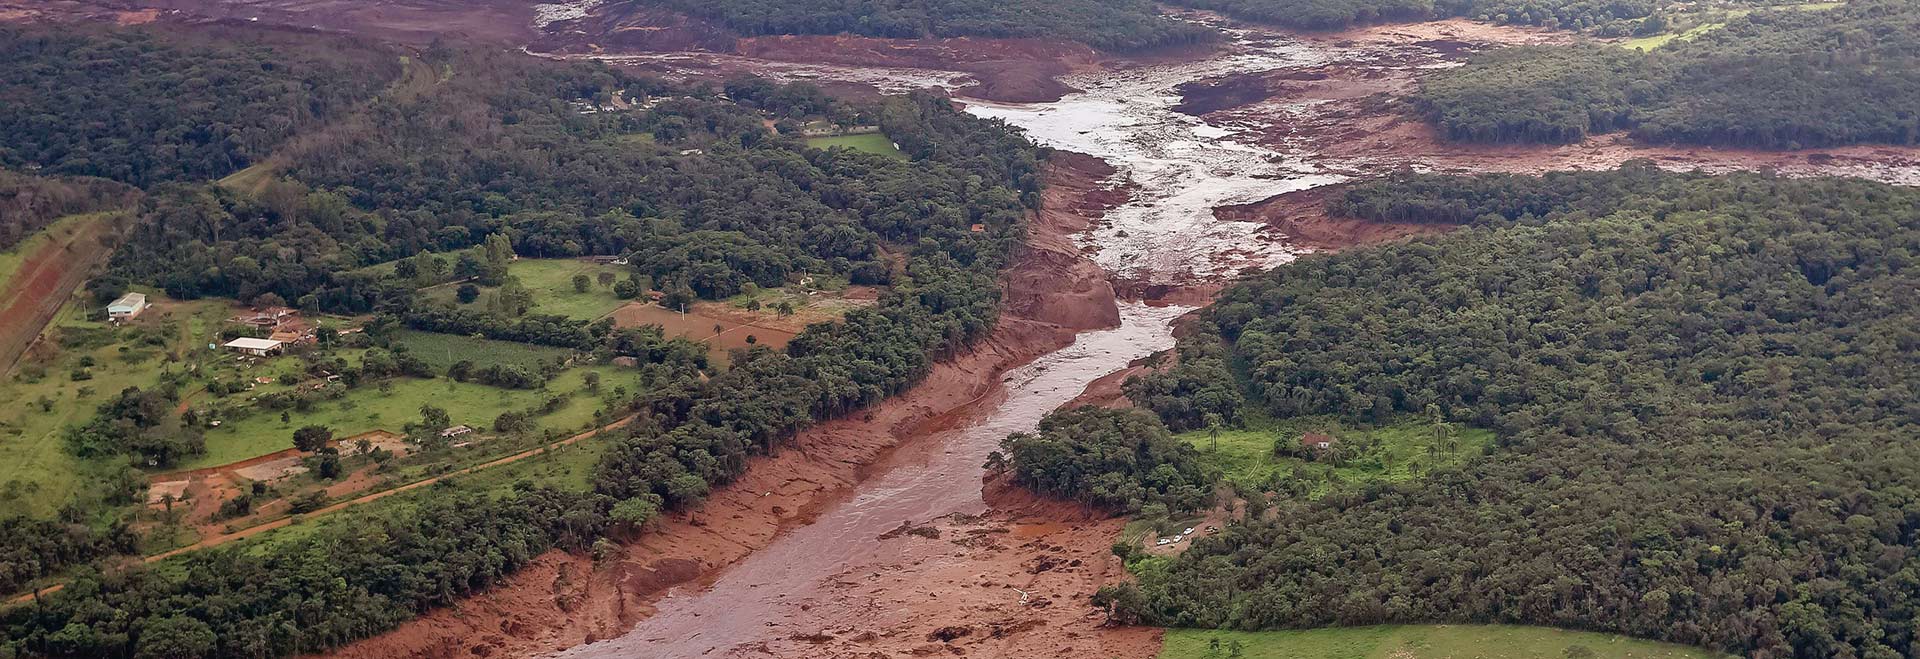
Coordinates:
(564, 600)
(1351, 116)
(1012, 70)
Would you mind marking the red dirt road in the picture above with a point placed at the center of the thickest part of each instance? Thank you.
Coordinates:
(29, 300)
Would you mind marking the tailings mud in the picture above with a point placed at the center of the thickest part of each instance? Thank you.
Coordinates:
(836, 487)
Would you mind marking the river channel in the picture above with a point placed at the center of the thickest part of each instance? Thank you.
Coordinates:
(1179, 168)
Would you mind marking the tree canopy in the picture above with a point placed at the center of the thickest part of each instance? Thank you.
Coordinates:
(1110, 24)
(1705, 393)
(1777, 80)
(135, 107)
(1116, 459)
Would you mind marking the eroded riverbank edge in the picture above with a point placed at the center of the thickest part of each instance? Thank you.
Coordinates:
(562, 600)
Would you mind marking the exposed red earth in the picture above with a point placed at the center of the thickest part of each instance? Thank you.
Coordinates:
(1010, 70)
(1303, 217)
(407, 21)
(47, 277)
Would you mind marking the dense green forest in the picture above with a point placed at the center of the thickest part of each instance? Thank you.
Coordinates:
(1705, 392)
(1608, 15)
(1116, 459)
(138, 108)
(498, 154)
(1108, 24)
(703, 196)
(1777, 80)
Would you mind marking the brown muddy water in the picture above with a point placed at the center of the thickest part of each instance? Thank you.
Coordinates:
(932, 477)
(1180, 167)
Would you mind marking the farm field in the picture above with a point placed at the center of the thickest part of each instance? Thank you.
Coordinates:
(700, 327)
(1246, 456)
(551, 282)
(1421, 642)
(39, 474)
(870, 143)
(443, 350)
(391, 406)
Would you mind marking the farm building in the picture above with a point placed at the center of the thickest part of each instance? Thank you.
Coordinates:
(456, 431)
(1317, 441)
(255, 347)
(127, 306)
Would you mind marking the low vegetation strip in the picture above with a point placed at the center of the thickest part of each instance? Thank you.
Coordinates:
(1419, 642)
(870, 143)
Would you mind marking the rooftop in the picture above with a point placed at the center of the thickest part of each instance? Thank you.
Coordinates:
(129, 301)
(249, 343)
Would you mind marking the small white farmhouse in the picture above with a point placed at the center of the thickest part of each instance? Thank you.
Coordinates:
(127, 306)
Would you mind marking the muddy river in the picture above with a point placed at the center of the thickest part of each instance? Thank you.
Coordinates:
(1180, 168)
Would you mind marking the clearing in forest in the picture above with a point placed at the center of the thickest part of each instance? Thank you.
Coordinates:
(551, 282)
(1268, 454)
(392, 404)
(870, 143)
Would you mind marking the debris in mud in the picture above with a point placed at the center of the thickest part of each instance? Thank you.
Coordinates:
(815, 638)
(949, 633)
(907, 528)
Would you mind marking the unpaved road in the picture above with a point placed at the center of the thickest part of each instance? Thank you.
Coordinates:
(45, 281)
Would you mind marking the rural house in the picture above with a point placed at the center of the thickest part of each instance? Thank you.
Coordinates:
(1317, 441)
(127, 306)
(255, 347)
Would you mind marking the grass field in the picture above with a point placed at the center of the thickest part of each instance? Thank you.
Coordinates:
(37, 474)
(870, 143)
(442, 350)
(1421, 642)
(253, 179)
(551, 282)
(1246, 455)
(1658, 40)
(370, 408)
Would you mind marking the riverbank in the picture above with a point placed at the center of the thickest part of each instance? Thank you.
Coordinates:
(563, 600)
